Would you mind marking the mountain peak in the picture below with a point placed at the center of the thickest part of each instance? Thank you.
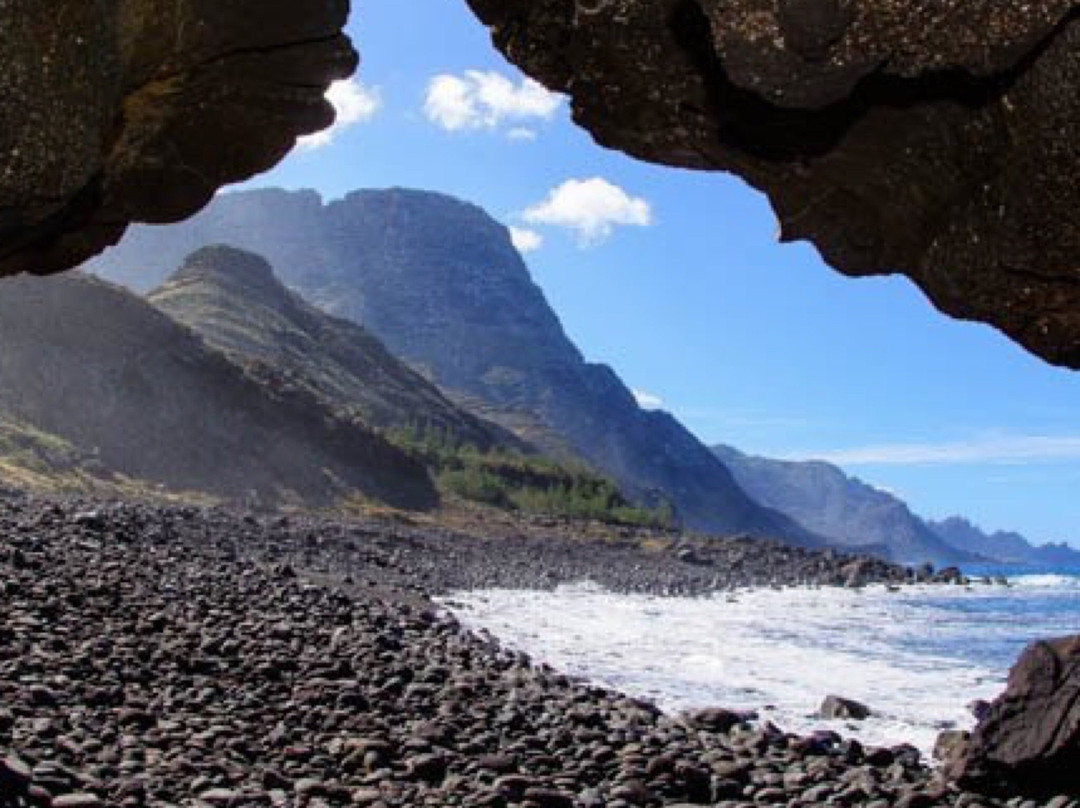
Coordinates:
(235, 302)
(155, 402)
(224, 263)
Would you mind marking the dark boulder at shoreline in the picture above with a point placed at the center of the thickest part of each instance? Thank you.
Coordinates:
(1029, 740)
(840, 707)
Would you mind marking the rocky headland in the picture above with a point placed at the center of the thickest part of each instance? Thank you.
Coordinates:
(182, 656)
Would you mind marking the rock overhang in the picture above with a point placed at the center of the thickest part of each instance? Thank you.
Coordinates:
(939, 140)
(125, 111)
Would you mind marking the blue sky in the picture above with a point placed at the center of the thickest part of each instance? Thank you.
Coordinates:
(676, 279)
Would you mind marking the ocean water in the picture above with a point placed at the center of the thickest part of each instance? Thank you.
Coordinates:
(917, 657)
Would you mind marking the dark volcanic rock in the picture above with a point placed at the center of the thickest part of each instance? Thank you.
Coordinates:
(1029, 741)
(185, 671)
(940, 140)
(839, 707)
(114, 112)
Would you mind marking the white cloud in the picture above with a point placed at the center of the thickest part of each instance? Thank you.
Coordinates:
(986, 449)
(521, 134)
(354, 104)
(526, 240)
(647, 401)
(486, 100)
(592, 208)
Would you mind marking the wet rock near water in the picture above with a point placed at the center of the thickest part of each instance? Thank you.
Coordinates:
(1027, 740)
(839, 707)
(176, 656)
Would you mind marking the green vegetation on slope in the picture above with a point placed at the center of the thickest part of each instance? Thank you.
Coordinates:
(520, 482)
(34, 460)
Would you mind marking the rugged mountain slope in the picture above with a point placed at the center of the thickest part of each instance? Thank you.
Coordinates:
(1004, 546)
(107, 372)
(843, 509)
(233, 300)
(939, 139)
(440, 283)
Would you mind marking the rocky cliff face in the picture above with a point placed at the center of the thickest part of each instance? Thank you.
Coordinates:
(107, 372)
(940, 140)
(139, 110)
(233, 300)
(848, 512)
(440, 283)
(845, 510)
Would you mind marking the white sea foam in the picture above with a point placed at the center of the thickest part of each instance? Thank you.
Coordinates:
(1046, 581)
(917, 657)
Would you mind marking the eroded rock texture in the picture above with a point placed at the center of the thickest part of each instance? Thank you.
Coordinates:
(940, 139)
(1029, 740)
(113, 111)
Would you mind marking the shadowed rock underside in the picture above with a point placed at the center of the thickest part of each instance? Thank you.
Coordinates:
(114, 112)
(938, 139)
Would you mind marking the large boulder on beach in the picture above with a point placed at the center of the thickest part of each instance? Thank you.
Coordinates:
(1029, 740)
(858, 573)
(838, 707)
(114, 112)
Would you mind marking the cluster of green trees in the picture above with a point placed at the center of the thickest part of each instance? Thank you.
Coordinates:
(528, 483)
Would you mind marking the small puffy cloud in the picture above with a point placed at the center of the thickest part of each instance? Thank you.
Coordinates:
(353, 102)
(647, 401)
(526, 240)
(449, 103)
(487, 100)
(521, 134)
(592, 208)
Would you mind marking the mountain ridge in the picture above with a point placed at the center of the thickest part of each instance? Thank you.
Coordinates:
(99, 367)
(839, 507)
(237, 304)
(1004, 545)
(845, 508)
(430, 275)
